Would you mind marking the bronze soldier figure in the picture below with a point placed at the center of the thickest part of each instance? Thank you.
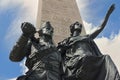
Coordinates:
(43, 59)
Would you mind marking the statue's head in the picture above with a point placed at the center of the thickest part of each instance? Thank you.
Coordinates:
(76, 27)
(46, 29)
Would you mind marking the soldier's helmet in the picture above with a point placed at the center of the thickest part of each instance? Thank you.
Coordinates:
(46, 29)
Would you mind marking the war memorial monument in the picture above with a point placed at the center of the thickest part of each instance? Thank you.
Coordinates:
(62, 50)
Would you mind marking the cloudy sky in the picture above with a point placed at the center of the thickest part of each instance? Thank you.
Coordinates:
(14, 12)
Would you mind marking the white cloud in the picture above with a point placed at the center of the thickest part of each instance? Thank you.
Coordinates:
(6, 4)
(89, 27)
(107, 45)
(84, 9)
(27, 13)
(12, 79)
(24, 68)
(110, 46)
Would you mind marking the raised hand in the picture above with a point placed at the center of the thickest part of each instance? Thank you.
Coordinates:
(112, 7)
(28, 29)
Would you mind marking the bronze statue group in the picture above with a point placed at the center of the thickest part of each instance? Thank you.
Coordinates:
(75, 58)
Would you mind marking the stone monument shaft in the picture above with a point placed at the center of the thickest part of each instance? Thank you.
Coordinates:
(61, 14)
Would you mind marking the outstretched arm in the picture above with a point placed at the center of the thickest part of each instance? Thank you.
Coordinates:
(95, 34)
(18, 52)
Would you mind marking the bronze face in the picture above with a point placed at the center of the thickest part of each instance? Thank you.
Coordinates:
(76, 27)
(46, 29)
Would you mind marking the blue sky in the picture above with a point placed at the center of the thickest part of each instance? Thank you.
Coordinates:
(13, 13)
(96, 11)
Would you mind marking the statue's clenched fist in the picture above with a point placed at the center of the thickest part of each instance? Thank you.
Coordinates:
(28, 29)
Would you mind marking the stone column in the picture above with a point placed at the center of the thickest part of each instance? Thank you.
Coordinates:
(61, 14)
